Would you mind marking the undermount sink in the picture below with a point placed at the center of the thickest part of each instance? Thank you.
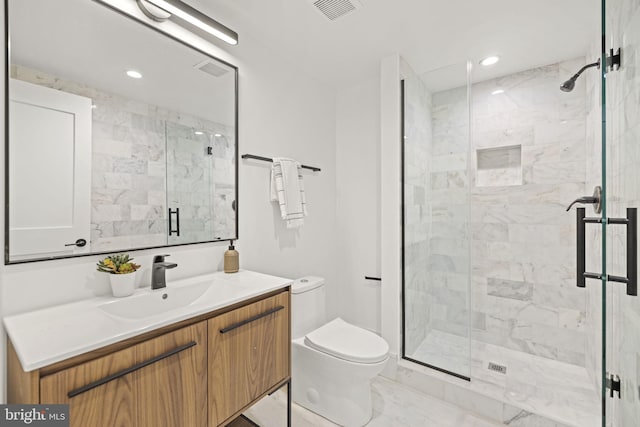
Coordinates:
(155, 302)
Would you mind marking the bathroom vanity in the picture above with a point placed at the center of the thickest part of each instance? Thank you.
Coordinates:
(201, 362)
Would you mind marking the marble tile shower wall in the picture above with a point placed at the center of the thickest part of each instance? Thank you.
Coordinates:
(417, 220)
(450, 231)
(522, 241)
(129, 165)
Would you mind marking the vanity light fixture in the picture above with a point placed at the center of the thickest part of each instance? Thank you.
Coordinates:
(134, 74)
(490, 60)
(188, 14)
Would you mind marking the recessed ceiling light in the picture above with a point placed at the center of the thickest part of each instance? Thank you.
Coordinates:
(490, 60)
(134, 74)
(199, 132)
(497, 92)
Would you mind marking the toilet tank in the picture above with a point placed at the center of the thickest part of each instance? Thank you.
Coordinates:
(308, 305)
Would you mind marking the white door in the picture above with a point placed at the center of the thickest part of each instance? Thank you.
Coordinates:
(49, 171)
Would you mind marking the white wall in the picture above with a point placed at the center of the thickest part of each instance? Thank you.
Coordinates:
(358, 204)
(282, 113)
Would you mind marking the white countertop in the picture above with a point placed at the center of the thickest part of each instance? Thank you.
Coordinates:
(51, 335)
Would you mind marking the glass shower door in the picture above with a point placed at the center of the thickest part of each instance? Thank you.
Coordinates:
(189, 169)
(622, 23)
(436, 244)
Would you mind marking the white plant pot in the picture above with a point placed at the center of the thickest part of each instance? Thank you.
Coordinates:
(123, 285)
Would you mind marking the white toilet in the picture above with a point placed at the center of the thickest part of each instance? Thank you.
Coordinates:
(333, 363)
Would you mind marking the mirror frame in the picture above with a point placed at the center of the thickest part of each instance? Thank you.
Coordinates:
(7, 67)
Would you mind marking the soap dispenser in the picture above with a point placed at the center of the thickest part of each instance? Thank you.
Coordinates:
(231, 259)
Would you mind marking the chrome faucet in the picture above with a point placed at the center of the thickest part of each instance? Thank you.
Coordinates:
(158, 280)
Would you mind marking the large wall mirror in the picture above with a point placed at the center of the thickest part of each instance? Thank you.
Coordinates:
(119, 137)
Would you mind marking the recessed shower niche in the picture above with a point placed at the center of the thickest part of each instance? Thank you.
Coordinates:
(498, 166)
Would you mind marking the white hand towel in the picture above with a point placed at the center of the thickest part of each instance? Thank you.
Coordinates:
(287, 189)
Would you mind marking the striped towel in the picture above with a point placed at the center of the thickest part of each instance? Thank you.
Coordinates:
(288, 190)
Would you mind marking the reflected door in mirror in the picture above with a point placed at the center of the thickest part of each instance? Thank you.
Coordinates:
(50, 180)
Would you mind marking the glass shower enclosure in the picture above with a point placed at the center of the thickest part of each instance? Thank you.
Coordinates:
(502, 286)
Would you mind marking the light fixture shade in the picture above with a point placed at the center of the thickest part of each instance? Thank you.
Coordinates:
(197, 19)
(152, 11)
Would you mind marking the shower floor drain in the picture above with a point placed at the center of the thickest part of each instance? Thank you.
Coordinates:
(497, 368)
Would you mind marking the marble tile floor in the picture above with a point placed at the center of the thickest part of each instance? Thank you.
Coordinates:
(394, 405)
(559, 391)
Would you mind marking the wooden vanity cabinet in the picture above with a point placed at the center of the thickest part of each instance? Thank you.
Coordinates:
(248, 355)
(160, 382)
(201, 372)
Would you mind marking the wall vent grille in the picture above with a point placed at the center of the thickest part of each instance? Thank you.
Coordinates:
(211, 68)
(497, 368)
(334, 9)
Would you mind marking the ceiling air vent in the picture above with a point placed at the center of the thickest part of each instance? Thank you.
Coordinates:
(334, 9)
(210, 67)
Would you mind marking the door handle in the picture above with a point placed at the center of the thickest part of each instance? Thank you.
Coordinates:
(79, 243)
(129, 370)
(175, 212)
(251, 319)
(593, 200)
(631, 222)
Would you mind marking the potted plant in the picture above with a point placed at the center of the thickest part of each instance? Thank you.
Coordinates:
(121, 271)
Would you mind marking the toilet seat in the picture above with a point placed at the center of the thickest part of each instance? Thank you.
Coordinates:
(345, 341)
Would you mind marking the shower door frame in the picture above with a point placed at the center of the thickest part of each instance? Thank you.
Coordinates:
(402, 236)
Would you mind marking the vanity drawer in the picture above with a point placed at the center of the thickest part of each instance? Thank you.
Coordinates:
(134, 386)
(248, 355)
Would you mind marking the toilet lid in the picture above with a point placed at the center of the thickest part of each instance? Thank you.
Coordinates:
(341, 339)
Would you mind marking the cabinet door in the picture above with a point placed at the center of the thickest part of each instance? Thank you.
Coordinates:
(158, 383)
(172, 392)
(107, 405)
(248, 355)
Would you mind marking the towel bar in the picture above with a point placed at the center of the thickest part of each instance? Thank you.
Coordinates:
(267, 159)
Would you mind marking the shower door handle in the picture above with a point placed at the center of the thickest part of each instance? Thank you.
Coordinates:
(581, 244)
(175, 212)
(631, 280)
(631, 222)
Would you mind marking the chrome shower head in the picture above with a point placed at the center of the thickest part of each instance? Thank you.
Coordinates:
(571, 83)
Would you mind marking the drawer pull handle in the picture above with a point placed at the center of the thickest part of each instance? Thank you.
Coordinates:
(129, 370)
(251, 319)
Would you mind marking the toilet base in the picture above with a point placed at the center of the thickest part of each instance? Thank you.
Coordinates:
(352, 408)
(336, 389)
